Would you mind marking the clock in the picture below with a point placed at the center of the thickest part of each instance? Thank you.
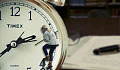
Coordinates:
(20, 30)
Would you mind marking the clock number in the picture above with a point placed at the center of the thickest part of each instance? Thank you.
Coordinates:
(30, 15)
(0, 16)
(29, 68)
(13, 10)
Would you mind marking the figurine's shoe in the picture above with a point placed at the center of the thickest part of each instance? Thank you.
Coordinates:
(49, 67)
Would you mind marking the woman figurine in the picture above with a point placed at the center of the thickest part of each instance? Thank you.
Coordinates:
(52, 42)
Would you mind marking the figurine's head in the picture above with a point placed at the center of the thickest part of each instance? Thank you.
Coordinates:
(44, 28)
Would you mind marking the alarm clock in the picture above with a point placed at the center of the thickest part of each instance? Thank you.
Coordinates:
(20, 30)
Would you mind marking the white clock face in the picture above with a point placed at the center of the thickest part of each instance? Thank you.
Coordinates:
(17, 17)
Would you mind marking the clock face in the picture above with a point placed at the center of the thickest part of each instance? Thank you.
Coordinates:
(17, 17)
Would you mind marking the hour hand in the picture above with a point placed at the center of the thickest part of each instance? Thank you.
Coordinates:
(6, 50)
(15, 43)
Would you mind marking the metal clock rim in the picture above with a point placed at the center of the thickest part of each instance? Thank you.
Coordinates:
(54, 14)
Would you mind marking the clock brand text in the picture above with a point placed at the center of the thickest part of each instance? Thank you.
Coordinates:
(15, 25)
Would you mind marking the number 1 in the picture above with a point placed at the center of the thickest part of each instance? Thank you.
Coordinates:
(30, 15)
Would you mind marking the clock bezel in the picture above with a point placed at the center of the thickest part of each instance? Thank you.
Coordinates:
(59, 25)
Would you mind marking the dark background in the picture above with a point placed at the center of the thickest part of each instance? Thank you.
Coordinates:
(91, 17)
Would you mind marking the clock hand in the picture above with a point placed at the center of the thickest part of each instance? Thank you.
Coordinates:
(19, 40)
(25, 40)
(39, 42)
(14, 43)
(30, 39)
(6, 50)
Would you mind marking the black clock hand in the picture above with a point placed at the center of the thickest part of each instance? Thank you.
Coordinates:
(19, 40)
(38, 42)
(29, 39)
(6, 50)
(25, 40)
(14, 43)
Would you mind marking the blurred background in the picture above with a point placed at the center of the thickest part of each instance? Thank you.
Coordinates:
(89, 18)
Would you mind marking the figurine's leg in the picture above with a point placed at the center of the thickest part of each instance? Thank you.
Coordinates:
(45, 51)
(51, 55)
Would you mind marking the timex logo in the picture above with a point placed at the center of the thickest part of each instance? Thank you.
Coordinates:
(15, 25)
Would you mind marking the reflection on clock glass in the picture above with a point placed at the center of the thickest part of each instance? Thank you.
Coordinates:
(20, 30)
